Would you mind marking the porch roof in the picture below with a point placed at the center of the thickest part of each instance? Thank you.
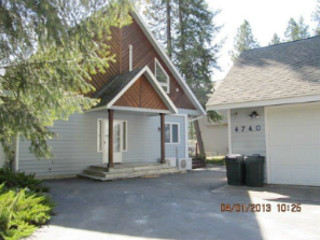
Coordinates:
(112, 91)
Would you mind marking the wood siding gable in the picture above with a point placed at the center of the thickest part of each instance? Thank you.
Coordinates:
(141, 95)
(144, 54)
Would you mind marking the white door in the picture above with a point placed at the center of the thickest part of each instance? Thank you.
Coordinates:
(117, 141)
(293, 144)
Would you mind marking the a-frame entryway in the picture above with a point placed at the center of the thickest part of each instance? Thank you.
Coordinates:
(137, 91)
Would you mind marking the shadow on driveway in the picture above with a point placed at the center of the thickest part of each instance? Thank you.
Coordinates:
(180, 206)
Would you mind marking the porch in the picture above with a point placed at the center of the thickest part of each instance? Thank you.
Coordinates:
(133, 93)
(128, 170)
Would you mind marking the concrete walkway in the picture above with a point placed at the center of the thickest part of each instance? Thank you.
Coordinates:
(181, 207)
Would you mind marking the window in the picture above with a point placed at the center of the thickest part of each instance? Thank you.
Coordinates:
(124, 136)
(162, 76)
(172, 133)
(120, 129)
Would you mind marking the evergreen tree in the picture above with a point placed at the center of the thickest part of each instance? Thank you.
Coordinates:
(160, 16)
(244, 40)
(48, 50)
(190, 30)
(316, 18)
(194, 53)
(275, 39)
(296, 30)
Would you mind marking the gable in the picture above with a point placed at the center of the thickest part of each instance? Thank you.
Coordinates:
(144, 54)
(141, 95)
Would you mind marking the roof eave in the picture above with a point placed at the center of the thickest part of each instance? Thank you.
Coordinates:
(263, 103)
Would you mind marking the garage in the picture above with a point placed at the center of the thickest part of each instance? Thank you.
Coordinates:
(293, 144)
(272, 95)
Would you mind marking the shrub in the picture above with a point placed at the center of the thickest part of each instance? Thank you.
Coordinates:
(219, 160)
(21, 180)
(21, 212)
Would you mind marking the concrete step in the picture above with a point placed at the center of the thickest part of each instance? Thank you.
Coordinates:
(108, 176)
(129, 167)
(127, 173)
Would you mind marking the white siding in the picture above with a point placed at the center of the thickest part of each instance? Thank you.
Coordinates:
(214, 136)
(75, 148)
(248, 142)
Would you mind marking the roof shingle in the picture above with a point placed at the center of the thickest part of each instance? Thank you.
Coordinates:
(111, 89)
(284, 70)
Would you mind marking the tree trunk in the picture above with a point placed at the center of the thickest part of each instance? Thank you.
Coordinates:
(199, 138)
(181, 18)
(169, 42)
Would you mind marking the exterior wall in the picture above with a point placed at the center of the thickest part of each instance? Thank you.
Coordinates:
(75, 147)
(141, 95)
(214, 136)
(248, 142)
(144, 54)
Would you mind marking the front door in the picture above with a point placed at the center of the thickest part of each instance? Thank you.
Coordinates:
(117, 141)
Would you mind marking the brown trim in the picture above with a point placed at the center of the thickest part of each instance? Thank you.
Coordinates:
(162, 144)
(110, 137)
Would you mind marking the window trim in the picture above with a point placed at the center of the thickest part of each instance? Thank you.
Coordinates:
(99, 134)
(126, 135)
(170, 131)
(167, 85)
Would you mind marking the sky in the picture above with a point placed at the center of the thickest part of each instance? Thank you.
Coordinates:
(266, 17)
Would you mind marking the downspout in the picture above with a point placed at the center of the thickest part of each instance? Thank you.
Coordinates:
(229, 132)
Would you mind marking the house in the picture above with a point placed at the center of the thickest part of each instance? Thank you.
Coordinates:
(215, 135)
(142, 117)
(272, 95)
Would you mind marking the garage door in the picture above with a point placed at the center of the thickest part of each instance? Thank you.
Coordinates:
(293, 134)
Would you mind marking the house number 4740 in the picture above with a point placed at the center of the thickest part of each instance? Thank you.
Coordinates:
(250, 128)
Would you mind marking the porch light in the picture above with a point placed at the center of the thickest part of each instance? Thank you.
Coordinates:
(254, 114)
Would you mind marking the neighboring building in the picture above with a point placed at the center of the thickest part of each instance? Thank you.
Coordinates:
(215, 135)
(272, 95)
(144, 96)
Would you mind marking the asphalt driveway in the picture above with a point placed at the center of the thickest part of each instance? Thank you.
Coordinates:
(180, 206)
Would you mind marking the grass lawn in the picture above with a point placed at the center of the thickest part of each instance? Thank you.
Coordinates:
(219, 160)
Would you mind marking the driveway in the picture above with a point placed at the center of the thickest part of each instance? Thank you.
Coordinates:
(180, 206)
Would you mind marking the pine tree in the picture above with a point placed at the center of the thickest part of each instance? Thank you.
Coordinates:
(159, 14)
(244, 40)
(296, 30)
(316, 18)
(192, 30)
(194, 53)
(48, 51)
(275, 39)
